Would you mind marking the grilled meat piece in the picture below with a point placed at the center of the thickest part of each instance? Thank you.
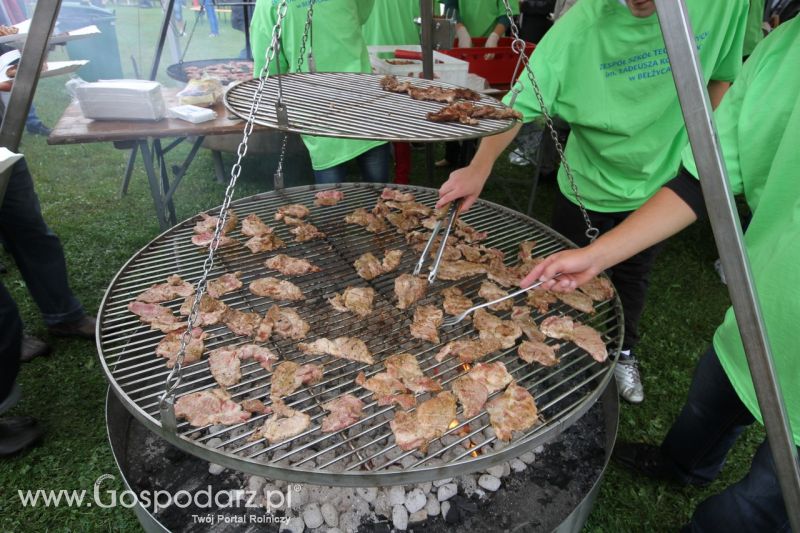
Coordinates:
(521, 315)
(158, 316)
(208, 224)
(577, 300)
(175, 287)
(393, 85)
(289, 376)
(362, 217)
(292, 210)
(328, 197)
(469, 234)
(204, 240)
(455, 302)
(514, 410)
(403, 222)
(456, 270)
(394, 194)
(469, 113)
(405, 367)
(526, 251)
(427, 320)
(533, 350)
(256, 407)
(209, 407)
(241, 322)
(489, 291)
(261, 354)
(225, 367)
(387, 389)
(253, 226)
(391, 260)
(368, 267)
(283, 425)
(343, 347)
(306, 232)
(288, 323)
(264, 243)
(505, 332)
(468, 350)
(264, 330)
(598, 289)
(586, 337)
(290, 266)
(170, 345)
(277, 289)
(209, 312)
(440, 94)
(430, 421)
(505, 276)
(541, 300)
(223, 285)
(357, 300)
(415, 209)
(292, 221)
(345, 410)
(474, 388)
(409, 289)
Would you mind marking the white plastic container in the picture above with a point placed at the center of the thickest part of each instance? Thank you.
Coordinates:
(193, 113)
(121, 100)
(445, 68)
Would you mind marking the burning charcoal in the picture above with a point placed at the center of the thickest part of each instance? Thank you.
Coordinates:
(397, 495)
(450, 513)
(329, 514)
(527, 458)
(382, 506)
(415, 501)
(349, 521)
(256, 483)
(432, 506)
(215, 469)
(312, 516)
(367, 494)
(496, 471)
(440, 482)
(446, 492)
(517, 465)
(400, 517)
(294, 525)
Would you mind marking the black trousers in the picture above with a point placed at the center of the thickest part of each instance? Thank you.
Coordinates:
(10, 342)
(631, 278)
(698, 443)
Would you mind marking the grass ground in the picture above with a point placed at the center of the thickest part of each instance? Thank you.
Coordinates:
(78, 187)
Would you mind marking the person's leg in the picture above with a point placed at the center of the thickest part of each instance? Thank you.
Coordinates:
(213, 24)
(36, 250)
(34, 124)
(402, 163)
(10, 343)
(709, 423)
(335, 174)
(374, 164)
(752, 504)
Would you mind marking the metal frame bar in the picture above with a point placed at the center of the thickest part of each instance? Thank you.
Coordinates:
(26, 80)
(426, 43)
(687, 72)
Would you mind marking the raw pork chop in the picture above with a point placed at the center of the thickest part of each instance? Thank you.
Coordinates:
(175, 287)
(345, 411)
(277, 289)
(158, 316)
(387, 389)
(170, 345)
(223, 285)
(209, 407)
(253, 226)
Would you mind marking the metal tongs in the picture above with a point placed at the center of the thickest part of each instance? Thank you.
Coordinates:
(451, 219)
(452, 321)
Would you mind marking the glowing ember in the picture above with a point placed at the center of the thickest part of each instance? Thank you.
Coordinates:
(453, 424)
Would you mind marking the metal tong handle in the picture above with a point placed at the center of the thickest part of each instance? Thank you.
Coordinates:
(458, 318)
(454, 208)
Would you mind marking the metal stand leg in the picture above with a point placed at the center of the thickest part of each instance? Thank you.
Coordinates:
(155, 185)
(162, 163)
(537, 172)
(219, 167)
(126, 180)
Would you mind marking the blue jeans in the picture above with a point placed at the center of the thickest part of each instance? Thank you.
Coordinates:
(211, 13)
(374, 166)
(36, 251)
(698, 443)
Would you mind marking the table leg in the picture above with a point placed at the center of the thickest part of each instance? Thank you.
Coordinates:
(162, 162)
(126, 180)
(155, 185)
(219, 167)
(180, 170)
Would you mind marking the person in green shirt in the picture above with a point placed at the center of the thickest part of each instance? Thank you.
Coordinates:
(480, 18)
(759, 144)
(603, 69)
(335, 44)
(755, 21)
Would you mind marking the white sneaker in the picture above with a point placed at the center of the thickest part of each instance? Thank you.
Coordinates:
(629, 382)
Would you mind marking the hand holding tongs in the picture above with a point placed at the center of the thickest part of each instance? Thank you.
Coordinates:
(452, 214)
(452, 321)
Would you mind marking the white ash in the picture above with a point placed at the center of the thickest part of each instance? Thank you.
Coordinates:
(400, 517)
(527, 458)
(415, 500)
(517, 465)
(294, 525)
(215, 469)
(312, 516)
(489, 482)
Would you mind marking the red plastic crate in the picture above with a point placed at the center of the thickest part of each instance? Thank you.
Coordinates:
(498, 70)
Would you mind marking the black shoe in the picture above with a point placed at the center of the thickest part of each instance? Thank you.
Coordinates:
(649, 461)
(83, 328)
(18, 433)
(39, 129)
(33, 348)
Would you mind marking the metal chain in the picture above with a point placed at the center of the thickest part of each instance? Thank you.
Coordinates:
(304, 40)
(174, 378)
(519, 47)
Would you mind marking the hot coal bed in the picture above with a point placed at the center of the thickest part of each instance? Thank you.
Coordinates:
(550, 489)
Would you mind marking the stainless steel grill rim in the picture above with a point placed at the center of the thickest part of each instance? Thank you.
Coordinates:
(563, 393)
(352, 105)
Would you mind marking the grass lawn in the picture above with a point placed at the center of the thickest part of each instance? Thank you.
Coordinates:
(78, 188)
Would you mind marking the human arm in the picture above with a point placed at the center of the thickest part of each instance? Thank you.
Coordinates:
(716, 90)
(468, 182)
(664, 215)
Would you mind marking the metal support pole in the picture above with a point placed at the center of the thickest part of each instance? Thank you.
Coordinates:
(246, 15)
(687, 73)
(162, 37)
(26, 80)
(426, 42)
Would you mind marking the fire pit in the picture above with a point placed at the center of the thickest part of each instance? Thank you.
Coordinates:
(554, 492)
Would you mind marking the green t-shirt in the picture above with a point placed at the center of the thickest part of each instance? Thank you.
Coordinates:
(759, 131)
(606, 73)
(754, 34)
(392, 23)
(480, 16)
(338, 46)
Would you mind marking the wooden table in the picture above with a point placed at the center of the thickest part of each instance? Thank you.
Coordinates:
(146, 137)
